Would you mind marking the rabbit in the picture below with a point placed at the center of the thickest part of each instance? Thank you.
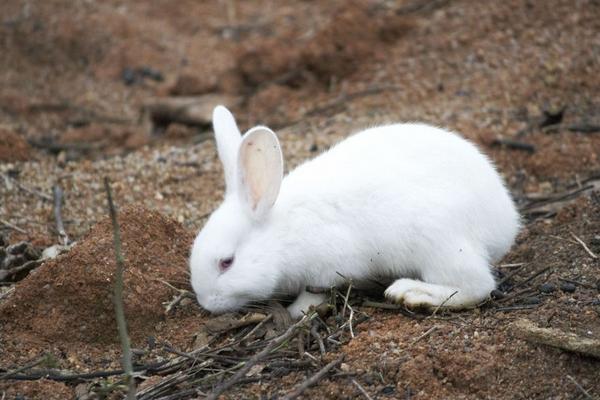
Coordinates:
(414, 203)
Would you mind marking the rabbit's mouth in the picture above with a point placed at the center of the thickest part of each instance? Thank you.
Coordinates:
(216, 304)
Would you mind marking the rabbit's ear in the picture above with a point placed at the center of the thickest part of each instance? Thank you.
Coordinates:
(228, 138)
(260, 170)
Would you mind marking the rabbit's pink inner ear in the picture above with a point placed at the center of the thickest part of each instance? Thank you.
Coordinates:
(260, 166)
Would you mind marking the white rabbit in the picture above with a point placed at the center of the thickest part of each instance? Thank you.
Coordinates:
(412, 203)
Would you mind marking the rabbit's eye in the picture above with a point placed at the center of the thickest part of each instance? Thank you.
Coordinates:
(225, 263)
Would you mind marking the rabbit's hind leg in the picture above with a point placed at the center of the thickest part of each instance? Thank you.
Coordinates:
(459, 281)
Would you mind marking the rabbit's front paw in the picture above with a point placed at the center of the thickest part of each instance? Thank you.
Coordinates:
(303, 303)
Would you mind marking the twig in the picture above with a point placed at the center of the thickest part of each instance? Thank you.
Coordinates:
(346, 299)
(339, 101)
(24, 188)
(507, 277)
(515, 294)
(532, 277)
(257, 327)
(582, 243)
(514, 144)
(61, 377)
(388, 306)
(119, 308)
(584, 128)
(318, 339)
(361, 389)
(424, 335)
(60, 227)
(25, 367)
(56, 148)
(28, 266)
(581, 389)
(13, 227)
(574, 282)
(443, 303)
(314, 379)
(556, 338)
(259, 356)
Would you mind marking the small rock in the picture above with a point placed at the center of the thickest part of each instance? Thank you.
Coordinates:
(567, 287)
(547, 288)
(31, 253)
(151, 73)
(388, 390)
(13, 261)
(128, 76)
(497, 294)
(531, 300)
(17, 248)
(344, 367)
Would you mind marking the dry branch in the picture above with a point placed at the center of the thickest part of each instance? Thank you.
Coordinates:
(119, 307)
(28, 266)
(527, 330)
(291, 332)
(193, 111)
(13, 227)
(24, 188)
(314, 379)
(57, 193)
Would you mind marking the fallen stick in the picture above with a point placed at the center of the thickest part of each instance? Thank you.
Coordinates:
(59, 376)
(361, 389)
(57, 193)
(514, 144)
(13, 227)
(582, 243)
(192, 111)
(314, 379)
(28, 266)
(24, 188)
(118, 292)
(581, 388)
(291, 332)
(527, 330)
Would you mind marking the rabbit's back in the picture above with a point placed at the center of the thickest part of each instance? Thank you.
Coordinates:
(404, 189)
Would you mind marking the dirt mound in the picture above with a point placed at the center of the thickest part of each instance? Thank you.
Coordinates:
(74, 292)
(355, 33)
(13, 147)
(41, 389)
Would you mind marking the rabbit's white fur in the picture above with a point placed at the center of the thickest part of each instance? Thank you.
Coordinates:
(408, 202)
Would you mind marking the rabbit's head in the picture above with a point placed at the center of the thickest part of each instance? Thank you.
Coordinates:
(232, 258)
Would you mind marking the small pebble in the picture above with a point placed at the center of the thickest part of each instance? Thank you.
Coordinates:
(388, 390)
(547, 288)
(497, 294)
(128, 76)
(17, 248)
(531, 300)
(567, 287)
